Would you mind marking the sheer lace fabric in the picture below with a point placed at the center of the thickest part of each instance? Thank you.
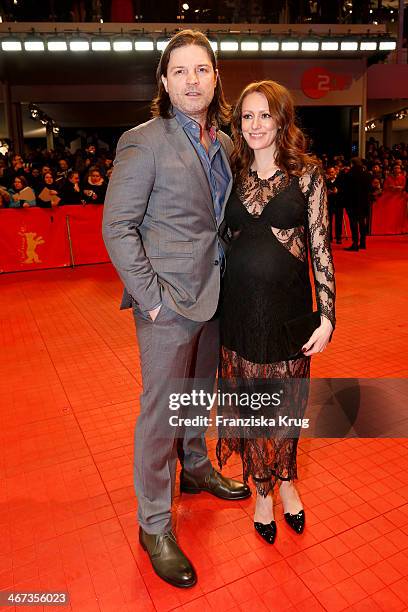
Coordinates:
(263, 288)
(256, 193)
(268, 454)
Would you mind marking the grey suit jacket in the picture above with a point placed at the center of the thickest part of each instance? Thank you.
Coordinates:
(159, 223)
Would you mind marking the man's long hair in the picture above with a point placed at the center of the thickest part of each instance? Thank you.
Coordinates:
(219, 110)
(290, 142)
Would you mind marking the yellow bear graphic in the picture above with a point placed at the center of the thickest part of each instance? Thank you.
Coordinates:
(32, 240)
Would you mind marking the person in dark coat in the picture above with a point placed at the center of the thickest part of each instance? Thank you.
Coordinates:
(71, 192)
(48, 194)
(334, 202)
(357, 197)
(94, 187)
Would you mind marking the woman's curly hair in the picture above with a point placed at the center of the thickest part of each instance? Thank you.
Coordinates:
(290, 141)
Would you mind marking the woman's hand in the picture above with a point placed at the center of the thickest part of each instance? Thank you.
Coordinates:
(319, 339)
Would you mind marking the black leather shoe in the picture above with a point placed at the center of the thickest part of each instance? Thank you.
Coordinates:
(216, 484)
(353, 247)
(362, 246)
(168, 560)
(267, 532)
(296, 521)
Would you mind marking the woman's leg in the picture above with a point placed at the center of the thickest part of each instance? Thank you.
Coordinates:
(264, 521)
(264, 501)
(289, 495)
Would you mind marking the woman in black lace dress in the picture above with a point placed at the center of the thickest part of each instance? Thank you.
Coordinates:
(276, 218)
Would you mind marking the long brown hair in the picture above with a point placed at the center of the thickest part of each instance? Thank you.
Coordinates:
(290, 141)
(219, 110)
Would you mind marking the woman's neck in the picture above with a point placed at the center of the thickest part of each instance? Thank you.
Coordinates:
(264, 161)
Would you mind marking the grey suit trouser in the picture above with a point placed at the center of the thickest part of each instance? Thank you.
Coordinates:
(174, 351)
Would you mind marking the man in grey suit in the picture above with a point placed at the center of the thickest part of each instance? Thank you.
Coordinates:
(163, 211)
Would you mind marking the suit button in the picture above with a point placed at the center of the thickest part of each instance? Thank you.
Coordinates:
(216, 262)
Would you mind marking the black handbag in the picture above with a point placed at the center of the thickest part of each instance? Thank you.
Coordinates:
(297, 332)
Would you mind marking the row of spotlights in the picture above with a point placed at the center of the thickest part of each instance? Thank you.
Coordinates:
(77, 45)
(224, 45)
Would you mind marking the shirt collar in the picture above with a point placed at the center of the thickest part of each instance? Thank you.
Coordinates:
(190, 124)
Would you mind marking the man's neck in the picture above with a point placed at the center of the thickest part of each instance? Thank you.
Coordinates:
(200, 118)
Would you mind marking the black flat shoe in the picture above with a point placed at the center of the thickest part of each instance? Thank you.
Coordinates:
(353, 247)
(267, 532)
(296, 521)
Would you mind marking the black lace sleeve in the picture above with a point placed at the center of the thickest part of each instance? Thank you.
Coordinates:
(313, 186)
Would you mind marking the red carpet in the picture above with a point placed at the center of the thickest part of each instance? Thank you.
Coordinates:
(69, 390)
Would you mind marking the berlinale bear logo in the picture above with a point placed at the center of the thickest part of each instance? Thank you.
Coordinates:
(31, 240)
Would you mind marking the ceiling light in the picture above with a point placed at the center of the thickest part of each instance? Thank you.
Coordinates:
(57, 44)
(249, 45)
(144, 45)
(310, 45)
(161, 44)
(11, 44)
(269, 45)
(329, 45)
(122, 43)
(387, 45)
(290, 45)
(368, 45)
(34, 43)
(100, 45)
(79, 44)
(229, 45)
(349, 45)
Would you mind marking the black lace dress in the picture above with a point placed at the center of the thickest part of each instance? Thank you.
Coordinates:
(273, 225)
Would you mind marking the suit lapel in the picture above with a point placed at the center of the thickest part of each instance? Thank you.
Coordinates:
(185, 150)
(225, 158)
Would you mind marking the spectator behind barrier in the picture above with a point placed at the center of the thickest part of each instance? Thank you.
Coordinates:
(21, 196)
(71, 192)
(4, 197)
(37, 162)
(16, 169)
(376, 188)
(48, 195)
(35, 179)
(94, 188)
(63, 170)
(395, 181)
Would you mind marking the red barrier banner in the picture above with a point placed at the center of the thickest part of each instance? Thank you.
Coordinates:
(37, 238)
(390, 214)
(86, 234)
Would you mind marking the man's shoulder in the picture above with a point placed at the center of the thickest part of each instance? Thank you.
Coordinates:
(147, 131)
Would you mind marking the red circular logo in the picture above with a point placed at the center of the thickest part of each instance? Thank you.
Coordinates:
(316, 82)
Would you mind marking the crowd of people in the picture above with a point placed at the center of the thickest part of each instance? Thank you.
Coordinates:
(356, 186)
(49, 179)
(56, 178)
